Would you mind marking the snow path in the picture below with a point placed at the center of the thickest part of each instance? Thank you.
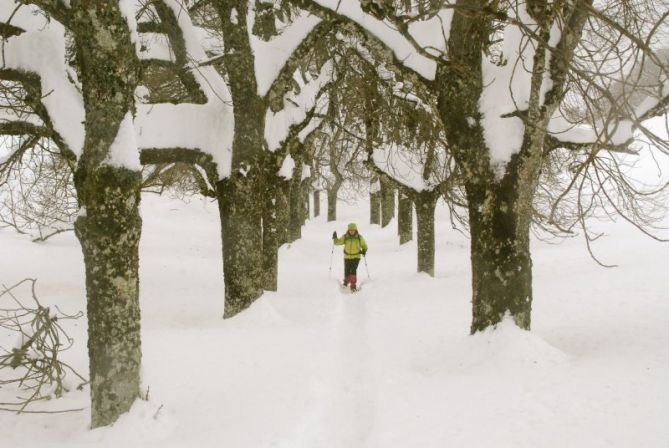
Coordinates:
(344, 392)
(391, 366)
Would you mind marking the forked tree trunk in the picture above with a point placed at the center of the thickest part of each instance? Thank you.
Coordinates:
(405, 219)
(425, 205)
(241, 233)
(240, 195)
(375, 208)
(110, 230)
(387, 203)
(332, 202)
(317, 203)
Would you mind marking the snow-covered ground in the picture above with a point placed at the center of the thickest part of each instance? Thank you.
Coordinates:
(393, 366)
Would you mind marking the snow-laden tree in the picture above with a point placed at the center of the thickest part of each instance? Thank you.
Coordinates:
(86, 96)
(502, 73)
(88, 112)
(399, 138)
(246, 67)
(407, 148)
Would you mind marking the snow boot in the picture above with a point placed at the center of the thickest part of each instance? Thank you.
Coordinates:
(352, 280)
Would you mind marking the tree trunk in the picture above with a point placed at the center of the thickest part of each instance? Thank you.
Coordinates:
(110, 229)
(240, 195)
(270, 234)
(387, 203)
(332, 202)
(405, 219)
(375, 208)
(425, 204)
(305, 203)
(241, 233)
(317, 203)
(499, 220)
(296, 202)
(109, 235)
(283, 212)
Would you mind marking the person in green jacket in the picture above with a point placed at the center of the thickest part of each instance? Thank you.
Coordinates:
(354, 246)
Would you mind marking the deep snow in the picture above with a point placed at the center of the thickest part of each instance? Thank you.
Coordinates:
(392, 366)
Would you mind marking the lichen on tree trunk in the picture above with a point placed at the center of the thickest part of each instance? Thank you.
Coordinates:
(270, 233)
(283, 212)
(306, 210)
(500, 254)
(110, 229)
(240, 211)
(387, 202)
(332, 202)
(109, 234)
(405, 219)
(425, 205)
(375, 208)
(296, 201)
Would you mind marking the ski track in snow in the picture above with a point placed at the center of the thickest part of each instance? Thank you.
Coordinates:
(344, 392)
(392, 366)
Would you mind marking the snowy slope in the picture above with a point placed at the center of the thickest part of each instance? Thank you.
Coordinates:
(392, 366)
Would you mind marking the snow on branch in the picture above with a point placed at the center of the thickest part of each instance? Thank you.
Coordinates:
(614, 133)
(17, 18)
(272, 55)
(296, 108)
(415, 46)
(41, 51)
(508, 85)
(155, 47)
(205, 127)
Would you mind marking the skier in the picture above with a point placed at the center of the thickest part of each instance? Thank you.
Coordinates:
(354, 246)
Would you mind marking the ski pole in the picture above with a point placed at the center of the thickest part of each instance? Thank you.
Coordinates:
(366, 267)
(331, 254)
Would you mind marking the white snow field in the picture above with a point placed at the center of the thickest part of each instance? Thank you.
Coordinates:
(392, 366)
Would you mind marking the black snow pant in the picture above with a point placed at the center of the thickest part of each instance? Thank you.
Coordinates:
(350, 268)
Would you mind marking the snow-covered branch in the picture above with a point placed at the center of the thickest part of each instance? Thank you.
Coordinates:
(409, 54)
(204, 127)
(271, 56)
(38, 56)
(298, 107)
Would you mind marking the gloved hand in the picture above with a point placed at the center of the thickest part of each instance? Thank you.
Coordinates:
(364, 252)
(334, 235)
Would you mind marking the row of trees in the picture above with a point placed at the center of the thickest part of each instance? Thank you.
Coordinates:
(483, 104)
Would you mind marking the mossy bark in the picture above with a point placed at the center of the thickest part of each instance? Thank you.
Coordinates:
(375, 208)
(425, 205)
(500, 203)
(270, 231)
(241, 234)
(240, 196)
(387, 203)
(405, 219)
(110, 230)
(109, 235)
(500, 257)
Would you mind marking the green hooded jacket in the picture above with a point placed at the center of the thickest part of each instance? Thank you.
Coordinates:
(353, 244)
